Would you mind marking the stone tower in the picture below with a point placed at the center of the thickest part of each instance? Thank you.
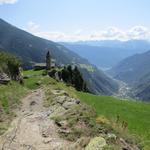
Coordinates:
(48, 61)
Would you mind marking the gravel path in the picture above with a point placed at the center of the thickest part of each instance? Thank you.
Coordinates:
(33, 129)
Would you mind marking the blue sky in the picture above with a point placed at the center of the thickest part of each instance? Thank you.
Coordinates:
(80, 19)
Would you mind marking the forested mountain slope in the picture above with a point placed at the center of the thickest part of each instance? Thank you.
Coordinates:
(32, 49)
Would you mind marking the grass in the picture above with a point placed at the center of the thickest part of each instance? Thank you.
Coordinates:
(33, 73)
(34, 79)
(136, 114)
(10, 96)
(87, 67)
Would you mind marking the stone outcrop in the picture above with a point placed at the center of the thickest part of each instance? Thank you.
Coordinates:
(96, 143)
(4, 79)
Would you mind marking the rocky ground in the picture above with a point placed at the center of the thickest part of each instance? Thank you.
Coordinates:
(47, 128)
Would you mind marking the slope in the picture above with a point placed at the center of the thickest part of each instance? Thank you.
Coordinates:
(32, 49)
(52, 117)
(136, 114)
(135, 71)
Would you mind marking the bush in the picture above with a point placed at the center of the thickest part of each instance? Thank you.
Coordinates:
(9, 64)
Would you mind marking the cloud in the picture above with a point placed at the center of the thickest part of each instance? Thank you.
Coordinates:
(110, 33)
(8, 2)
(138, 32)
(32, 27)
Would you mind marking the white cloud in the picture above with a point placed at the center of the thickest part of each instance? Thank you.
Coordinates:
(110, 33)
(8, 1)
(32, 27)
(138, 32)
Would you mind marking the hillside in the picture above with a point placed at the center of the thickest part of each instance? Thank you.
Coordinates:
(107, 53)
(52, 111)
(135, 71)
(136, 114)
(32, 49)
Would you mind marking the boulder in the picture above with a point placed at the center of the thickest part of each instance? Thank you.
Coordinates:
(111, 136)
(68, 105)
(96, 143)
(4, 79)
(77, 101)
(61, 99)
(83, 141)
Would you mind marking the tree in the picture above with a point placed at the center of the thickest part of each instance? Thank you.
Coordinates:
(65, 74)
(78, 80)
(70, 74)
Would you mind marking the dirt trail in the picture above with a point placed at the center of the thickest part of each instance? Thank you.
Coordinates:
(32, 129)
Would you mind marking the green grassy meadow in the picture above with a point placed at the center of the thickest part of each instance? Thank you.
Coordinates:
(136, 114)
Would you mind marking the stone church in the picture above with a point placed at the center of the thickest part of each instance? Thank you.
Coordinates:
(50, 63)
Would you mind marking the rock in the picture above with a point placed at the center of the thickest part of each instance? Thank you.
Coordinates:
(68, 104)
(52, 73)
(38, 83)
(77, 101)
(96, 143)
(47, 140)
(33, 103)
(66, 94)
(58, 111)
(127, 146)
(83, 141)
(45, 135)
(4, 79)
(63, 124)
(61, 99)
(67, 131)
(111, 136)
(58, 124)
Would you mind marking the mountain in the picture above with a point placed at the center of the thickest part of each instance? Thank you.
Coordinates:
(140, 45)
(32, 49)
(108, 53)
(135, 71)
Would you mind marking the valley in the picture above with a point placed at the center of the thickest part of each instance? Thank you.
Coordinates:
(134, 71)
(107, 53)
(53, 96)
(17, 42)
(124, 92)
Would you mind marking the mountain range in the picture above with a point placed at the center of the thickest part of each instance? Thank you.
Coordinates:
(32, 49)
(135, 71)
(106, 54)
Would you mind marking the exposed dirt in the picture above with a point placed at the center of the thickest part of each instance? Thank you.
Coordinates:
(33, 129)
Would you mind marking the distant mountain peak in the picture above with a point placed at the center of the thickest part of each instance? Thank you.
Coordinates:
(18, 42)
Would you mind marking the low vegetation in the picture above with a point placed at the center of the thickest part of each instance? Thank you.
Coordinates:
(97, 115)
(10, 96)
(126, 116)
(9, 64)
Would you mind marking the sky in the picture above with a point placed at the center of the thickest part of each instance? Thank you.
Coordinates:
(73, 20)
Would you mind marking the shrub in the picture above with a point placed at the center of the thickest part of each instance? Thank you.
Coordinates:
(9, 64)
